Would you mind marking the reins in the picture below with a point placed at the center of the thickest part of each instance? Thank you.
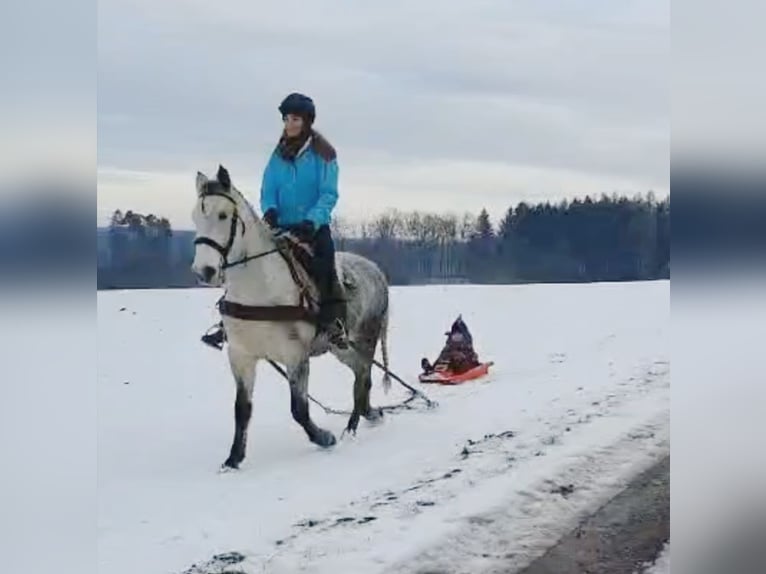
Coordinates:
(244, 260)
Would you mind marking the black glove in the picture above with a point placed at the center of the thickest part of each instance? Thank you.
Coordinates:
(270, 217)
(305, 231)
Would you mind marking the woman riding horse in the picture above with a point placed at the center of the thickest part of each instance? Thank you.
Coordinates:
(298, 194)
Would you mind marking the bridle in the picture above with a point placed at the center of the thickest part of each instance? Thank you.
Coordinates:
(224, 250)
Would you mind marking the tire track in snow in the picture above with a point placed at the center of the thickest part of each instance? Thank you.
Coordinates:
(335, 538)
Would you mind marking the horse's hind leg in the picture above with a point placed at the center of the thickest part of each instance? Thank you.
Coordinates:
(362, 407)
(299, 405)
(243, 369)
(362, 367)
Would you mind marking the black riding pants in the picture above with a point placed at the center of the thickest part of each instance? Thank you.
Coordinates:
(323, 263)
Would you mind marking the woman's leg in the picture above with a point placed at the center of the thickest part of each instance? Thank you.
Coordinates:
(332, 310)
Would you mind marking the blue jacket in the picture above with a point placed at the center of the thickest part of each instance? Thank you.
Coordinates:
(300, 190)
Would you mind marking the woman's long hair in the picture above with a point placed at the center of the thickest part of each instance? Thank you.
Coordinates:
(289, 148)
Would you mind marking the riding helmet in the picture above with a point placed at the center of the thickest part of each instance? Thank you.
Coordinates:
(299, 105)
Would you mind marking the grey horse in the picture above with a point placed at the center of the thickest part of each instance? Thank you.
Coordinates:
(269, 305)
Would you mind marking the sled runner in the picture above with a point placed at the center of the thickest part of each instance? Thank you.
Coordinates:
(445, 377)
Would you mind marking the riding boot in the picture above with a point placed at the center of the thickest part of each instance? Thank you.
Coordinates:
(332, 309)
(332, 314)
(215, 337)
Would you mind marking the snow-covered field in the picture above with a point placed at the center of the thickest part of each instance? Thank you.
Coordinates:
(577, 403)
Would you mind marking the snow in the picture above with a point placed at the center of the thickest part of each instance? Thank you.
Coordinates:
(719, 464)
(47, 432)
(662, 563)
(579, 394)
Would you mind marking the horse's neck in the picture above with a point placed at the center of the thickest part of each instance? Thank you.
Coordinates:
(262, 281)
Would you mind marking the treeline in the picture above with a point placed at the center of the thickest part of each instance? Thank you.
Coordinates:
(144, 225)
(139, 251)
(608, 239)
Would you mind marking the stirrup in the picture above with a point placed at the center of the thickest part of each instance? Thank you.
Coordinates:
(214, 339)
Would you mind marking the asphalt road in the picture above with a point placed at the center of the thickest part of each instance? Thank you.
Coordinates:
(626, 532)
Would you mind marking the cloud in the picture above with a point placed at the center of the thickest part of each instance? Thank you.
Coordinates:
(535, 92)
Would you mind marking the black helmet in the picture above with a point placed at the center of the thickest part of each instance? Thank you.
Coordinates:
(299, 105)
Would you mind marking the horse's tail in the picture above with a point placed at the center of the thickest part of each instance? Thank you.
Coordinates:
(384, 351)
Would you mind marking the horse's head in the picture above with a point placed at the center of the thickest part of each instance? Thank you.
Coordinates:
(219, 227)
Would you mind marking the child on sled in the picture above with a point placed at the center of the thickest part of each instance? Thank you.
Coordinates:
(458, 355)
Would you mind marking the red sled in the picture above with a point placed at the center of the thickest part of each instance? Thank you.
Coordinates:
(445, 377)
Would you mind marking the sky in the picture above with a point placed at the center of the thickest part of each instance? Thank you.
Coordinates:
(48, 96)
(440, 105)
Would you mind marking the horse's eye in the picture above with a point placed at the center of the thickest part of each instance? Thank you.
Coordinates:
(223, 215)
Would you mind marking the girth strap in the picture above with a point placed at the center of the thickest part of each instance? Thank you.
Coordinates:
(266, 313)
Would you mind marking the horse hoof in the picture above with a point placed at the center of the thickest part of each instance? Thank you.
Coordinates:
(229, 465)
(325, 439)
(374, 415)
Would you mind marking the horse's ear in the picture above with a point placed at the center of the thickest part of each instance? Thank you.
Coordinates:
(202, 182)
(223, 177)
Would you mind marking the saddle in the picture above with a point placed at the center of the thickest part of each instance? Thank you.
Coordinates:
(298, 257)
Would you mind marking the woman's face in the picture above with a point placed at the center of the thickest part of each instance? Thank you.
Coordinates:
(293, 125)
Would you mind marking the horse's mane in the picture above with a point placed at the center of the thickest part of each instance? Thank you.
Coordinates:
(243, 204)
(223, 185)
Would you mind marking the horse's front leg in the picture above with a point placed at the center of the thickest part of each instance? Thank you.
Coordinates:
(243, 368)
(298, 376)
